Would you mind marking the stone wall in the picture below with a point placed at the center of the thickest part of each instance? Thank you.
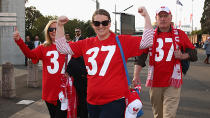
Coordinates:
(9, 51)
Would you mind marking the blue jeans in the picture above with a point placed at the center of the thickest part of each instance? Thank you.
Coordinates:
(114, 109)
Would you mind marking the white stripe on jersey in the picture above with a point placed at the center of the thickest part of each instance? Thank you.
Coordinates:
(63, 47)
(147, 38)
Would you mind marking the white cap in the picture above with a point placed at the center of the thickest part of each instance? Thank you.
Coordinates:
(163, 8)
(133, 108)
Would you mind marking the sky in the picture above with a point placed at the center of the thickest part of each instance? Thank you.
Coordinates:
(84, 9)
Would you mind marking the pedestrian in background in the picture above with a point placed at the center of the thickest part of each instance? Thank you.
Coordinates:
(107, 81)
(78, 35)
(30, 45)
(52, 63)
(207, 48)
(36, 41)
(67, 37)
(165, 73)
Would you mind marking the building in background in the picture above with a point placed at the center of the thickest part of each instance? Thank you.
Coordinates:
(12, 13)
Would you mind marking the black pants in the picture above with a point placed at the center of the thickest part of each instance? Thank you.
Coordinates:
(81, 89)
(115, 109)
(55, 111)
(26, 61)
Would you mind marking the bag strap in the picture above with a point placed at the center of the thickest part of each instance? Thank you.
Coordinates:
(123, 58)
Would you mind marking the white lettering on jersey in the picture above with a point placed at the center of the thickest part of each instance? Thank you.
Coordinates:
(54, 61)
(111, 50)
(161, 52)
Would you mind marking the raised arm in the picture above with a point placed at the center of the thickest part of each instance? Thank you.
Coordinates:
(33, 54)
(147, 38)
(60, 40)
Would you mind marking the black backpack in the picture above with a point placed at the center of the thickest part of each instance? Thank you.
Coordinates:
(185, 66)
(184, 63)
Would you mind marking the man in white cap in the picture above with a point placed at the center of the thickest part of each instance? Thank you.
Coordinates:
(165, 70)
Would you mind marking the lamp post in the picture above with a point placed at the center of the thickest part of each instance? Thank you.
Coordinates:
(97, 4)
(192, 15)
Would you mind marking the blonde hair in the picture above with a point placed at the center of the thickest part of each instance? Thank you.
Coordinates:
(48, 40)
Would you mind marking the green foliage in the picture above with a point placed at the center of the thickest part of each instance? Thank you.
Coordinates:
(205, 19)
(31, 16)
(36, 22)
(87, 30)
(198, 32)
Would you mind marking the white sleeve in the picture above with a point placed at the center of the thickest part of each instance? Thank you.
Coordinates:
(147, 38)
(63, 47)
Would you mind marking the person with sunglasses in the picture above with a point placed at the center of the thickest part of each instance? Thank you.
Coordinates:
(78, 35)
(52, 63)
(107, 82)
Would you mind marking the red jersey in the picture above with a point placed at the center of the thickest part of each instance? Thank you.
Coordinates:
(106, 74)
(162, 71)
(53, 64)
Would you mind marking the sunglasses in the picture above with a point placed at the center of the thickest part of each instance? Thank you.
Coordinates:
(104, 23)
(51, 29)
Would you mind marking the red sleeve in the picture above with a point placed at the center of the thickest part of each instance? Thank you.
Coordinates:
(77, 48)
(130, 45)
(34, 54)
(186, 43)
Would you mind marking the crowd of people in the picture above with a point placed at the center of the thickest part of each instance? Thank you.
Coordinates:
(31, 45)
(94, 66)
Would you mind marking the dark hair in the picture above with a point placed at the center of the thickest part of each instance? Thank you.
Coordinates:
(101, 12)
(77, 28)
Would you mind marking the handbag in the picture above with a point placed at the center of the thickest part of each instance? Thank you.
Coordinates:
(133, 102)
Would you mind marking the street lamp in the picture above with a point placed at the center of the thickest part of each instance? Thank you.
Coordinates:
(192, 15)
(97, 4)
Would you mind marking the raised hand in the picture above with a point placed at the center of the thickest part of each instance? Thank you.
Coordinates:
(62, 20)
(143, 11)
(16, 35)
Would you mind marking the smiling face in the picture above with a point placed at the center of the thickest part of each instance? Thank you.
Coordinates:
(164, 21)
(101, 30)
(52, 32)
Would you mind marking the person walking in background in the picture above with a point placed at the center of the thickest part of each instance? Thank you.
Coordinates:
(36, 41)
(30, 45)
(207, 48)
(68, 37)
(52, 63)
(76, 68)
(107, 82)
(165, 72)
(78, 35)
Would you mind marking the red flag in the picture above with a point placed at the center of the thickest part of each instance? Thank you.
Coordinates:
(191, 17)
(180, 24)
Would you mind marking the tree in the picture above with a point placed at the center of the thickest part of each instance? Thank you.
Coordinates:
(35, 23)
(87, 30)
(39, 25)
(205, 19)
(31, 15)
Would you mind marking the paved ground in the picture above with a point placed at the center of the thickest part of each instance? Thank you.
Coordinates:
(195, 96)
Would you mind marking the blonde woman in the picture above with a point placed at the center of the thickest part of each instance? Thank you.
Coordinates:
(53, 63)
